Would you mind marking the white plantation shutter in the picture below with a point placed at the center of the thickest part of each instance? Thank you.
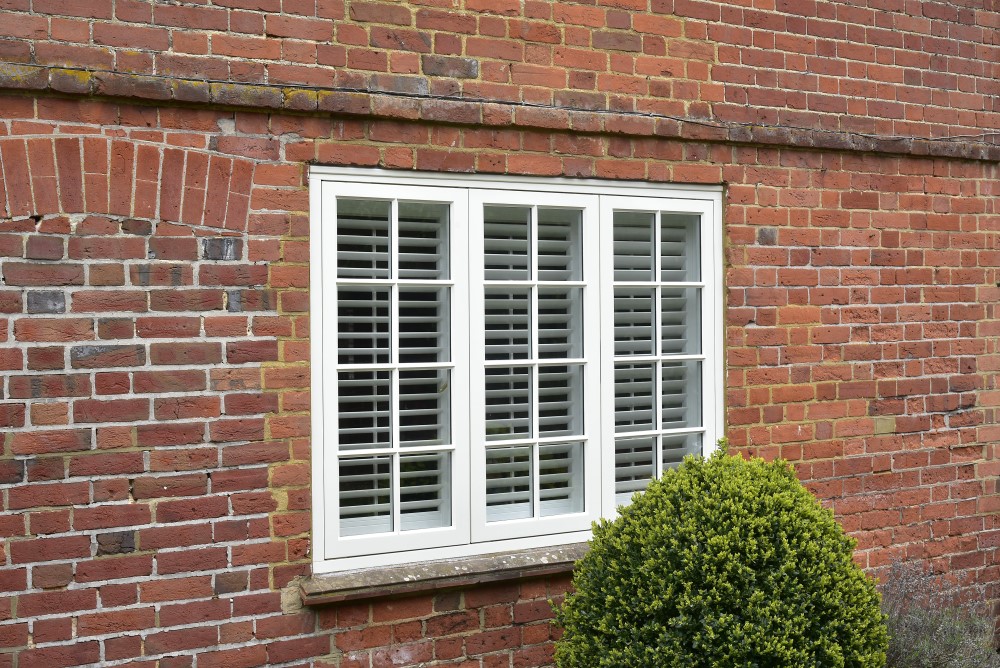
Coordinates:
(496, 364)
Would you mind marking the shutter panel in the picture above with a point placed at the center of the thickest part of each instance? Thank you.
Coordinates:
(560, 473)
(423, 325)
(634, 390)
(363, 325)
(364, 409)
(680, 321)
(559, 249)
(680, 250)
(506, 232)
(508, 403)
(560, 396)
(680, 394)
(634, 321)
(424, 498)
(424, 407)
(560, 329)
(365, 495)
(508, 323)
(633, 246)
(508, 483)
(634, 466)
(362, 238)
(423, 234)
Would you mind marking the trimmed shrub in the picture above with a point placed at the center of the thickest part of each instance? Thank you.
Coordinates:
(722, 562)
(930, 626)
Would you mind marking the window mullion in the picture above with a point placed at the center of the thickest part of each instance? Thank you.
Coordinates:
(394, 395)
(536, 371)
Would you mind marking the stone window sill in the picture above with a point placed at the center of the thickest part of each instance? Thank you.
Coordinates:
(436, 575)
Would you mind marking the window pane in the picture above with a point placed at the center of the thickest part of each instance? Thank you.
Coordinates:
(560, 474)
(423, 240)
(423, 325)
(681, 394)
(424, 407)
(362, 238)
(634, 389)
(559, 250)
(508, 483)
(633, 245)
(424, 499)
(680, 313)
(507, 253)
(680, 249)
(634, 459)
(363, 409)
(363, 325)
(560, 323)
(634, 321)
(677, 446)
(508, 403)
(560, 400)
(365, 495)
(508, 322)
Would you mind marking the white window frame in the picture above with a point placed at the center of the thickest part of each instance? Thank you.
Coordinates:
(470, 534)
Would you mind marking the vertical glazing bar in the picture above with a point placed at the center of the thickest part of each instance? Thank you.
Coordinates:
(658, 343)
(533, 400)
(394, 359)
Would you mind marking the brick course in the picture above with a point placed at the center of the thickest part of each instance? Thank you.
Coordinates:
(153, 314)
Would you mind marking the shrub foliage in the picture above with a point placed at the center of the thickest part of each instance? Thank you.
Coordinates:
(722, 562)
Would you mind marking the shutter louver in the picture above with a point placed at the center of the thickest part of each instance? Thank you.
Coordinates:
(559, 245)
(560, 396)
(633, 246)
(678, 446)
(363, 325)
(681, 394)
(634, 390)
(508, 403)
(679, 248)
(423, 325)
(680, 328)
(422, 237)
(559, 323)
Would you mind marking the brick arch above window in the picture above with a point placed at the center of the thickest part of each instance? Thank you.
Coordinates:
(102, 175)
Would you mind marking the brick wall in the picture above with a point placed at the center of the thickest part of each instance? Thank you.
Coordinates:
(153, 311)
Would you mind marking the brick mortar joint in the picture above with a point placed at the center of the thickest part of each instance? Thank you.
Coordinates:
(473, 112)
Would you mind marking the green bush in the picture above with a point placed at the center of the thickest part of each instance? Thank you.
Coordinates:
(722, 562)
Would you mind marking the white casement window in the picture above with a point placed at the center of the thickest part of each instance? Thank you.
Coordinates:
(496, 363)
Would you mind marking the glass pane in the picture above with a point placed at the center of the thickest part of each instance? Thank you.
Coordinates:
(423, 325)
(424, 483)
(679, 446)
(364, 416)
(365, 495)
(424, 407)
(362, 238)
(560, 478)
(680, 248)
(507, 252)
(508, 323)
(559, 249)
(634, 466)
(508, 403)
(560, 328)
(681, 394)
(508, 483)
(423, 240)
(560, 400)
(680, 321)
(363, 325)
(634, 389)
(633, 246)
(634, 321)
